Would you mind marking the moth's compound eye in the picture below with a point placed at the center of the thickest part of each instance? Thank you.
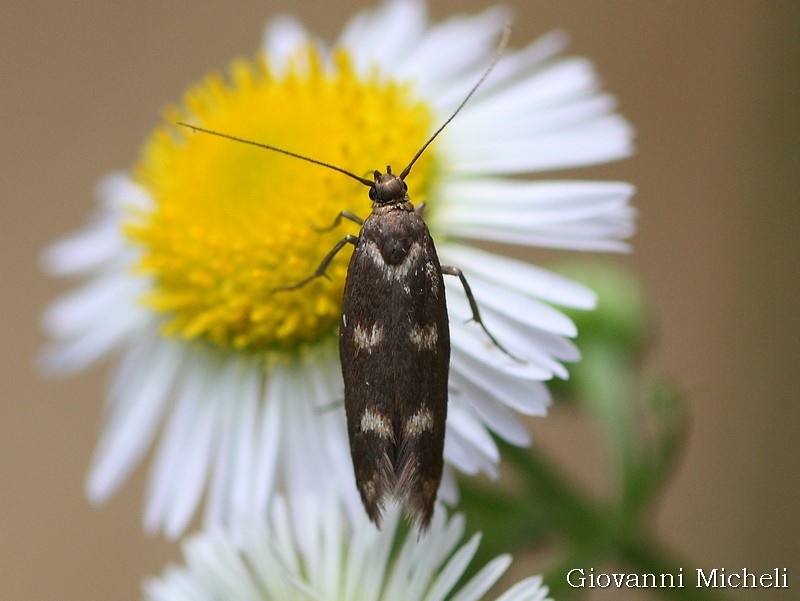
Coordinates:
(372, 193)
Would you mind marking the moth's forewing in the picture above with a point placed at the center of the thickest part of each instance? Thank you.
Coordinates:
(394, 345)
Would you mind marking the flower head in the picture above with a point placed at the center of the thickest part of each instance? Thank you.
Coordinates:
(318, 556)
(240, 384)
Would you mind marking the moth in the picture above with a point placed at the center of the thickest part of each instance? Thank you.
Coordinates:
(394, 339)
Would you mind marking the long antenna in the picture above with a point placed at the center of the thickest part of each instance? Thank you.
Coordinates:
(363, 180)
(497, 54)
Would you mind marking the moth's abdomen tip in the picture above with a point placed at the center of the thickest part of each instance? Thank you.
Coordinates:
(375, 516)
(418, 517)
(420, 513)
(419, 499)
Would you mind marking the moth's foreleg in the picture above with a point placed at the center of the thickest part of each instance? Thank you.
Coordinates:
(320, 272)
(476, 314)
(420, 208)
(343, 215)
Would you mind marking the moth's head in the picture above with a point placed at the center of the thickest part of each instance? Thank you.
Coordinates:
(388, 188)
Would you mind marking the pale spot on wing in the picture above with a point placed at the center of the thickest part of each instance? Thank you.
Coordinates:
(420, 422)
(433, 278)
(395, 273)
(370, 490)
(425, 337)
(367, 339)
(372, 421)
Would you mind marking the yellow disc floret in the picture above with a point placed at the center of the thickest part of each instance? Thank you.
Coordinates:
(231, 223)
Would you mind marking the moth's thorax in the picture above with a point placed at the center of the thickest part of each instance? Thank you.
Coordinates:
(397, 208)
(388, 189)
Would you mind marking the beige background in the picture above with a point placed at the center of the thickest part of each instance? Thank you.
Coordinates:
(712, 88)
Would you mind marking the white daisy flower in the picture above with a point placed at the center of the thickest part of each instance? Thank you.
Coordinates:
(239, 388)
(318, 556)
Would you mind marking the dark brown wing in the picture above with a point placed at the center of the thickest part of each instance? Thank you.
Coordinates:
(394, 345)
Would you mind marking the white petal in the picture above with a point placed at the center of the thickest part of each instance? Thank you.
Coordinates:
(448, 489)
(602, 140)
(557, 84)
(460, 451)
(321, 558)
(520, 308)
(530, 589)
(442, 54)
(577, 215)
(107, 297)
(101, 243)
(513, 65)
(328, 395)
(524, 395)
(109, 329)
(403, 579)
(416, 562)
(283, 533)
(119, 193)
(137, 407)
(283, 37)
(520, 195)
(597, 236)
(307, 464)
(231, 401)
(308, 539)
(518, 125)
(244, 459)
(473, 342)
(218, 565)
(86, 251)
(367, 559)
(314, 452)
(385, 35)
(328, 579)
(217, 503)
(528, 344)
(452, 572)
(520, 276)
(556, 117)
(176, 463)
(269, 439)
(495, 415)
(483, 580)
(462, 420)
(195, 464)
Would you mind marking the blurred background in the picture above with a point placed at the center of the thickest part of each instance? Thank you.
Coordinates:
(713, 89)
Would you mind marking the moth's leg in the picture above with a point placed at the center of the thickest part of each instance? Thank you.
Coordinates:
(343, 215)
(476, 314)
(320, 272)
(420, 208)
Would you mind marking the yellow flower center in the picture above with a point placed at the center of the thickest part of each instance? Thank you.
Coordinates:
(231, 223)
